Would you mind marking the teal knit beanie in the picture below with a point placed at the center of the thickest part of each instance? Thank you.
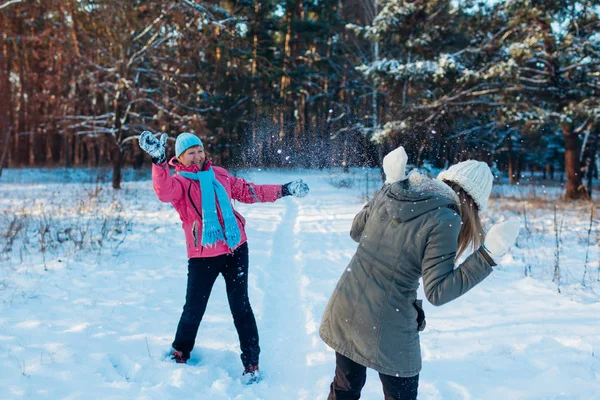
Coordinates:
(186, 140)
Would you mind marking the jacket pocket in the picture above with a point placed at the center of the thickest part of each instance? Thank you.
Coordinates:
(241, 219)
(195, 233)
(421, 323)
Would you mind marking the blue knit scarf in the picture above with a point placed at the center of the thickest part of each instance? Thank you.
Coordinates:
(212, 231)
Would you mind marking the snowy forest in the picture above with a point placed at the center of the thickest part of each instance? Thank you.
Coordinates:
(300, 101)
(305, 83)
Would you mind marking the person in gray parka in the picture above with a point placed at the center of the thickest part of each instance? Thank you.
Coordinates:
(414, 226)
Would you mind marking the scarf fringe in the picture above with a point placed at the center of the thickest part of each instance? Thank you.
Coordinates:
(233, 233)
(211, 236)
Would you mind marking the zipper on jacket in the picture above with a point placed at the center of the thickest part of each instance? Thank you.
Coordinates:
(192, 201)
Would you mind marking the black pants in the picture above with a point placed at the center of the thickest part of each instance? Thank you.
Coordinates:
(202, 274)
(350, 378)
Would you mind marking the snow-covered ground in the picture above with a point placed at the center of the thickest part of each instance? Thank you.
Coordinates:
(92, 284)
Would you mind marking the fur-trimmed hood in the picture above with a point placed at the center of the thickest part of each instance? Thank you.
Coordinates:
(418, 195)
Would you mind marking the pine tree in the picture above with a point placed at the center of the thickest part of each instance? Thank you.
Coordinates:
(549, 72)
(429, 57)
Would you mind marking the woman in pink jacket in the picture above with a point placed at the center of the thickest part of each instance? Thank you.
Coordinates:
(214, 235)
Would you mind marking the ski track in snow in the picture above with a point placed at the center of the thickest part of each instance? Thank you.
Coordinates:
(280, 280)
(100, 325)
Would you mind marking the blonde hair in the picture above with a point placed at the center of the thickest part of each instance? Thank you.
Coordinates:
(471, 231)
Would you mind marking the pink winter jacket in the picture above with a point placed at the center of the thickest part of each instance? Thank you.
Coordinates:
(184, 195)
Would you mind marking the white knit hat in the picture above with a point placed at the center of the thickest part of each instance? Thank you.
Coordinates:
(394, 165)
(474, 177)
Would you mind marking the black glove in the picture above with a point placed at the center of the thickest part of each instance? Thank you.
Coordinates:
(154, 147)
(296, 188)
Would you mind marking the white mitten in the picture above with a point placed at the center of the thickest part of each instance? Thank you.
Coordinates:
(501, 237)
(154, 146)
(296, 188)
(394, 165)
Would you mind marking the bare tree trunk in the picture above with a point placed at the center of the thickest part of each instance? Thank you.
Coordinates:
(285, 80)
(31, 140)
(591, 160)
(374, 105)
(117, 153)
(6, 129)
(590, 174)
(514, 173)
(138, 155)
(117, 163)
(345, 156)
(6, 104)
(574, 187)
(257, 144)
(21, 150)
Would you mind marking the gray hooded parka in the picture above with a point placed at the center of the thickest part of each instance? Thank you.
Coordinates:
(410, 229)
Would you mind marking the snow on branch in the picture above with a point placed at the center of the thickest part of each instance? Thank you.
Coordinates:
(395, 69)
(8, 3)
(393, 126)
(394, 13)
(211, 19)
